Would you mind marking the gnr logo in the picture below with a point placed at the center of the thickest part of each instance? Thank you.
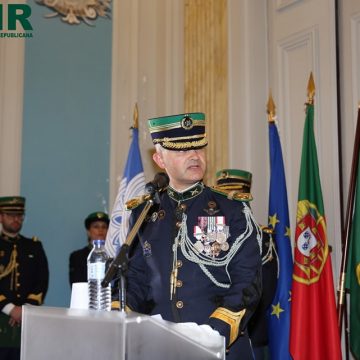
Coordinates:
(17, 16)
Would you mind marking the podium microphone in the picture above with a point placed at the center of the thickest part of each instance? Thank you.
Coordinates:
(152, 188)
(159, 183)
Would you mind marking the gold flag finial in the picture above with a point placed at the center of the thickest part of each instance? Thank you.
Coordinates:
(311, 89)
(136, 117)
(271, 109)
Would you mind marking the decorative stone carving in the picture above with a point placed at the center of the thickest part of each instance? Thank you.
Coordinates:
(73, 11)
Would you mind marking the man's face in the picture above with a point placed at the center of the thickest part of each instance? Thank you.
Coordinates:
(184, 168)
(97, 230)
(11, 223)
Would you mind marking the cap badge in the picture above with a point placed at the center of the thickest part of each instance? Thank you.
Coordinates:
(224, 175)
(187, 123)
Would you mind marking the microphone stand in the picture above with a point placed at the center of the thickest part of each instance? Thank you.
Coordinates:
(120, 264)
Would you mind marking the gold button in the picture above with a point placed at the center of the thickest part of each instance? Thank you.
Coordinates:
(179, 304)
(18, 285)
(161, 214)
(178, 224)
(179, 263)
(183, 207)
(179, 283)
(18, 295)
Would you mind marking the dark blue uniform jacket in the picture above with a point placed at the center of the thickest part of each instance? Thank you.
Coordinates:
(197, 296)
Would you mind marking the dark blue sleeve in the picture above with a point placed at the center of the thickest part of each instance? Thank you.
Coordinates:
(137, 297)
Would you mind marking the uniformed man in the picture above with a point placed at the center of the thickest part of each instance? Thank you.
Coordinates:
(236, 183)
(96, 225)
(24, 274)
(197, 258)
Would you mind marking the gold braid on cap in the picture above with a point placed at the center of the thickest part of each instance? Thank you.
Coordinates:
(232, 193)
(233, 319)
(184, 145)
(232, 186)
(179, 138)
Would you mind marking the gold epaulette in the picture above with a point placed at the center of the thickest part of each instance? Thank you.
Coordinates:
(232, 193)
(134, 202)
(266, 229)
(233, 319)
(35, 239)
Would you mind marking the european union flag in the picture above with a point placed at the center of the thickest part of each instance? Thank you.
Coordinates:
(131, 185)
(279, 311)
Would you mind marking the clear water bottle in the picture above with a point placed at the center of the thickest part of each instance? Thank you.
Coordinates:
(99, 297)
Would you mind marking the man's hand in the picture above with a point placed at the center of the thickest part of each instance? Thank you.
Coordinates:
(15, 316)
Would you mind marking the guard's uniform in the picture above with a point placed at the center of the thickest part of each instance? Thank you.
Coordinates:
(198, 260)
(24, 277)
(78, 265)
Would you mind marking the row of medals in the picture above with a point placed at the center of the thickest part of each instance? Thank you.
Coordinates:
(212, 243)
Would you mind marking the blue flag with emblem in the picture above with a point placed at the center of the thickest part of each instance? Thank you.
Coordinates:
(279, 311)
(131, 185)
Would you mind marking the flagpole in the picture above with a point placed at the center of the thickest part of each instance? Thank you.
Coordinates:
(311, 89)
(348, 222)
(136, 117)
(271, 109)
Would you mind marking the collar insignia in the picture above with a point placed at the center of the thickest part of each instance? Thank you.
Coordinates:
(186, 195)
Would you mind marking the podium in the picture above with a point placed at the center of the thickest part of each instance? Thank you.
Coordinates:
(76, 334)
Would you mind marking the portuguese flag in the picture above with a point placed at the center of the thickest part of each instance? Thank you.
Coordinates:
(314, 332)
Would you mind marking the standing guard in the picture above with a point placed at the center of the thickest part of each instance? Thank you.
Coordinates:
(24, 274)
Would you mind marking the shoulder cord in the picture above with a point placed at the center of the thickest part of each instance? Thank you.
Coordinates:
(11, 265)
(269, 255)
